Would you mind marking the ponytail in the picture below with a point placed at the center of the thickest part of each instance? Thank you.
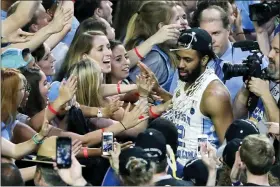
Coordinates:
(130, 28)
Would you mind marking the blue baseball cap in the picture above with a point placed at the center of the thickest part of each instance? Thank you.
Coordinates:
(54, 91)
(14, 58)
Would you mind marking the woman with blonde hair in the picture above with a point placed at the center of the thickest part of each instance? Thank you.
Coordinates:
(90, 44)
(11, 98)
(39, 95)
(149, 19)
(89, 77)
(90, 92)
(95, 46)
(13, 87)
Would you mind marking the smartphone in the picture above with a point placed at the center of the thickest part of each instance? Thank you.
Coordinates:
(107, 143)
(63, 152)
(201, 139)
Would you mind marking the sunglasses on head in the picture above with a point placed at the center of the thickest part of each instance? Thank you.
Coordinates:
(185, 45)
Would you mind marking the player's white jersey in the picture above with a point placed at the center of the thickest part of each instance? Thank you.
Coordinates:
(189, 120)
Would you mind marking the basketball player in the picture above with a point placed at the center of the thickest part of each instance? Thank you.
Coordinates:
(201, 102)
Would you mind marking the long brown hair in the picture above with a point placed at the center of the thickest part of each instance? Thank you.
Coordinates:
(144, 24)
(36, 102)
(10, 81)
(81, 45)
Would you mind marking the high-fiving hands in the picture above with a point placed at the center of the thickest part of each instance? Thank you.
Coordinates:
(145, 85)
(147, 72)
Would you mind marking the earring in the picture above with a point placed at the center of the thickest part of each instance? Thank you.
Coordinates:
(84, 56)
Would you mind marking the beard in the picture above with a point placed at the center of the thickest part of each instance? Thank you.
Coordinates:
(274, 76)
(272, 72)
(190, 77)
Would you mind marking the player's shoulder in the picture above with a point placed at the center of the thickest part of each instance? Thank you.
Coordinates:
(216, 90)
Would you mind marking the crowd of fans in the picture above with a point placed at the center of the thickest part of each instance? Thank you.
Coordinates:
(152, 73)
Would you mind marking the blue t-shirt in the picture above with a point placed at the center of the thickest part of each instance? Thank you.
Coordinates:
(70, 35)
(3, 15)
(7, 130)
(244, 7)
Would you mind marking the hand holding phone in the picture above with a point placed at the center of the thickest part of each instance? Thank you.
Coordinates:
(63, 152)
(202, 140)
(107, 143)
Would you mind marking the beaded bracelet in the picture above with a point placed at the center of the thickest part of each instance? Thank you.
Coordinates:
(35, 140)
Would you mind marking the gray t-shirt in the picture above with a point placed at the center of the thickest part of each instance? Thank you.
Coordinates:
(156, 63)
(22, 118)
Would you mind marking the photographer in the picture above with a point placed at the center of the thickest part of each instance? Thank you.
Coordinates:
(268, 92)
(215, 20)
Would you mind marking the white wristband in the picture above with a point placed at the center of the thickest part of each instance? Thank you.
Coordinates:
(99, 113)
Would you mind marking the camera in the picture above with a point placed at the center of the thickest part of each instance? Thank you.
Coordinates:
(262, 12)
(251, 67)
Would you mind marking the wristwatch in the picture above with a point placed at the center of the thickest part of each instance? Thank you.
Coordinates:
(99, 113)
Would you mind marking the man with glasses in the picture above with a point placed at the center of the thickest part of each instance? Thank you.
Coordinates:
(201, 102)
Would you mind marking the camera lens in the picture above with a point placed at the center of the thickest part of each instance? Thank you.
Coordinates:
(235, 70)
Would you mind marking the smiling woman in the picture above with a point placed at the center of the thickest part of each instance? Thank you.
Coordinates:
(101, 52)
(12, 93)
(144, 24)
(93, 45)
(120, 64)
(39, 89)
(44, 59)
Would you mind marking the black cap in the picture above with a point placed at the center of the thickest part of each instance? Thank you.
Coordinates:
(196, 171)
(240, 129)
(154, 144)
(168, 129)
(230, 150)
(128, 155)
(196, 39)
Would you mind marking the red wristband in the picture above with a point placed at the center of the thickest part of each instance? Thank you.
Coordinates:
(141, 117)
(118, 87)
(85, 151)
(52, 110)
(153, 115)
(74, 1)
(137, 53)
(103, 130)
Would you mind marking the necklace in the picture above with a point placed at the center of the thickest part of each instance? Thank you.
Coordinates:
(183, 99)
